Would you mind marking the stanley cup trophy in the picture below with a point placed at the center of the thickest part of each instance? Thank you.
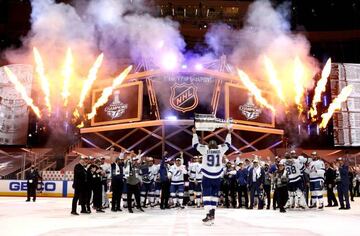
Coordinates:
(208, 122)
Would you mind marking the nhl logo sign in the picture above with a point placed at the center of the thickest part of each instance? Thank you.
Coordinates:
(184, 97)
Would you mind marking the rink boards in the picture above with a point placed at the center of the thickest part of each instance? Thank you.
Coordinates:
(45, 188)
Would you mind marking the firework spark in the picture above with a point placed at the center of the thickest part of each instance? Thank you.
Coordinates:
(44, 82)
(335, 105)
(90, 79)
(254, 90)
(273, 78)
(299, 76)
(106, 93)
(320, 88)
(67, 73)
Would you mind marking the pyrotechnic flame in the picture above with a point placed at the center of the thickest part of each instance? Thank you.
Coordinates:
(67, 73)
(273, 78)
(320, 88)
(21, 89)
(335, 105)
(44, 82)
(106, 93)
(81, 125)
(76, 113)
(254, 90)
(90, 79)
(299, 76)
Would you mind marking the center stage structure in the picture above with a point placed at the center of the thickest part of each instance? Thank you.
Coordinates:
(154, 111)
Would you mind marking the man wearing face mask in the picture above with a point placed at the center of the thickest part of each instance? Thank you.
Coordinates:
(256, 180)
(267, 185)
(79, 186)
(32, 182)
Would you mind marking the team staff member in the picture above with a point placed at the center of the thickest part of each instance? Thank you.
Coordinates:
(256, 183)
(330, 176)
(117, 175)
(32, 182)
(343, 184)
(164, 182)
(267, 185)
(96, 180)
(89, 186)
(133, 180)
(242, 181)
(79, 186)
(280, 184)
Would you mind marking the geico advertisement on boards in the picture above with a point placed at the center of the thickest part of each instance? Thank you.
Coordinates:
(45, 188)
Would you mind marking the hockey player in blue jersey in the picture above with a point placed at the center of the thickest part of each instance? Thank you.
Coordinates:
(212, 170)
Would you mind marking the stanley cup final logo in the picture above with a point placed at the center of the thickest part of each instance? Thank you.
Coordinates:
(249, 109)
(116, 108)
(184, 97)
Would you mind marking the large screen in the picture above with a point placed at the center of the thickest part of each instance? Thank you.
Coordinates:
(346, 121)
(183, 94)
(241, 106)
(124, 105)
(14, 113)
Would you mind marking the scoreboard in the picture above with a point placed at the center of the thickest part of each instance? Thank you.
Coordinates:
(346, 121)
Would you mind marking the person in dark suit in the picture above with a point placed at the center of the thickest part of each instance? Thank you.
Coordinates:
(117, 175)
(256, 184)
(79, 185)
(32, 178)
(330, 176)
(351, 182)
(96, 179)
(164, 182)
(343, 183)
(229, 185)
(242, 182)
(89, 186)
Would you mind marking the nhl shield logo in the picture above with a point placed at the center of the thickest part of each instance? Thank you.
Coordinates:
(184, 97)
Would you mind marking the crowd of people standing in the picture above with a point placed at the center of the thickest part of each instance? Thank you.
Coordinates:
(294, 181)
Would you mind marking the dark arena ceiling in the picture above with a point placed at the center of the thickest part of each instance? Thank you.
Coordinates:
(332, 26)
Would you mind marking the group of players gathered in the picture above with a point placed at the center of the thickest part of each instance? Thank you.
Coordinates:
(208, 180)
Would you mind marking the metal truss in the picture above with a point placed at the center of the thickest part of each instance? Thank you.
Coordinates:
(154, 137)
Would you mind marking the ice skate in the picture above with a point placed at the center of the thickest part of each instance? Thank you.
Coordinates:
(208, 220)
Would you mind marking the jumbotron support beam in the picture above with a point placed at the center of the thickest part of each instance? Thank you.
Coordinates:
(176, 123)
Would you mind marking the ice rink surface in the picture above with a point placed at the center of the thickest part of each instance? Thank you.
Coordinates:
(51, 216)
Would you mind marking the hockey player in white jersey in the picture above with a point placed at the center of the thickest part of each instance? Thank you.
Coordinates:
(317, 171)
(148, 173)
(212, 170)
(176, 175)
(294, 167)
